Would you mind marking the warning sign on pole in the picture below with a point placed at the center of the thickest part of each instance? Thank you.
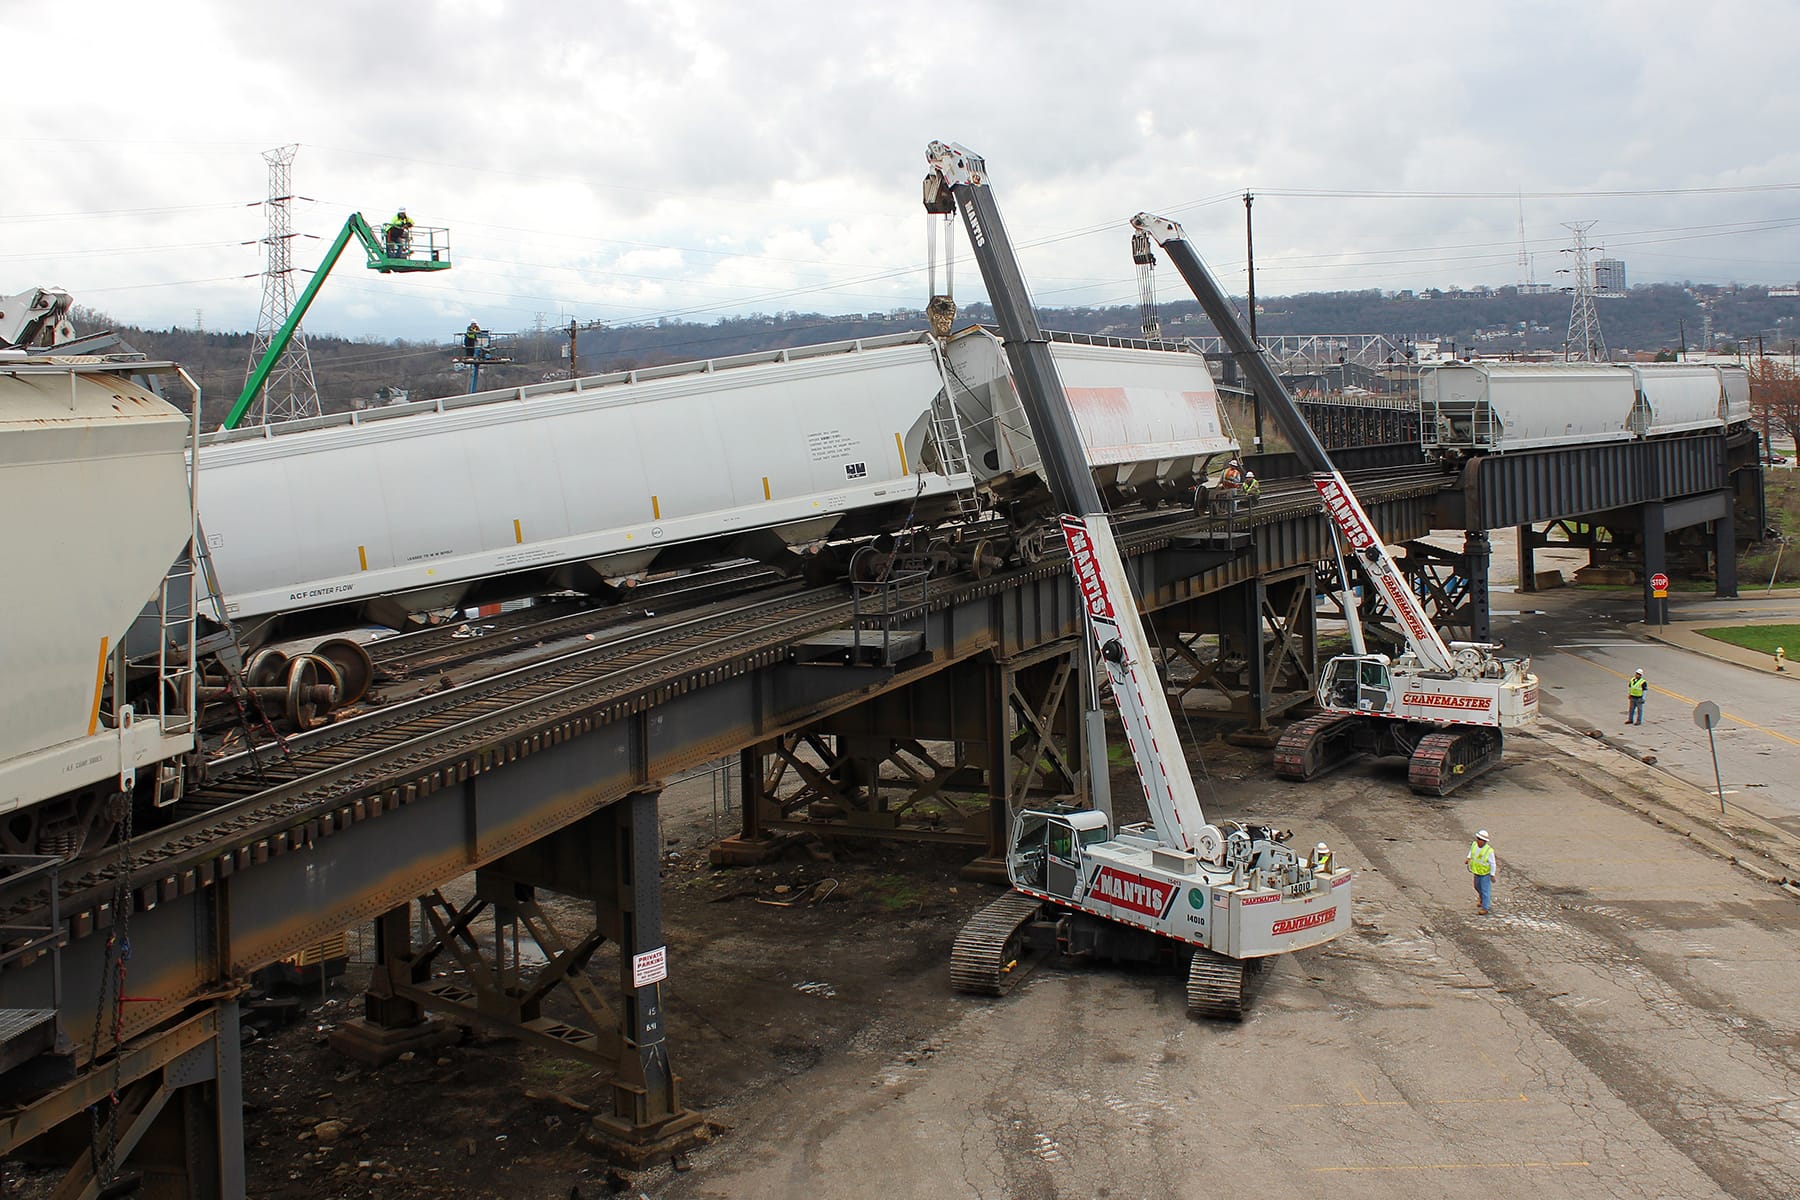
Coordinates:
(652, 966)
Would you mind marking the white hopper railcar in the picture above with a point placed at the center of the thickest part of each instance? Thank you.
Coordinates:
(568, 485)
(95, 505)
(1681, 397)
(1497, 407)
(379, 515)
(1148, 414)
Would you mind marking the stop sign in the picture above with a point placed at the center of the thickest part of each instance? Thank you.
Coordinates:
(1659, 582)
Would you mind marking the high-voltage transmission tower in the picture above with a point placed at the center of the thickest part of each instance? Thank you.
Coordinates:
(1585, 343)
(290, 392)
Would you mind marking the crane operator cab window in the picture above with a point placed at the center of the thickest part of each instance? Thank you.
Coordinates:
(1372, 693)
(1360, 684)
(1061, 867)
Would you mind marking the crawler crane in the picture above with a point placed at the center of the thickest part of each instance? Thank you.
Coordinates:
(1219, 898)
(1443, 705)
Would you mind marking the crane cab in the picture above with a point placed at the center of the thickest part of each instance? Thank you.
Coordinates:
(1357, 683)
(1048, 848)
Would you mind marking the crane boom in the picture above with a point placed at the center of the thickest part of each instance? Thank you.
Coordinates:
(1107, 600)
(1341, 504)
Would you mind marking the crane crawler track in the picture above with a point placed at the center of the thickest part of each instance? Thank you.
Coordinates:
(1218, 986)
(1311, 747)
(990, 954)
(1446, 760)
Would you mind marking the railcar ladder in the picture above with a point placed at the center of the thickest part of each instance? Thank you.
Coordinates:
(947, 438)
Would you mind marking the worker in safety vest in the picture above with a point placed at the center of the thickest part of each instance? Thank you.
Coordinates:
(1635, 687)
(1483, 866)
(1233, 476)
(1252, 486)
(1321, 859)
(471, 340)
(399, 234)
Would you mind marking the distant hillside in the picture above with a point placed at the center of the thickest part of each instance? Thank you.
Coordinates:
(1500, 321)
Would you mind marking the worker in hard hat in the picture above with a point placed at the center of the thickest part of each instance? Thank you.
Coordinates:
(399, 234)
(1321, 859)
(1483, 866)
(1635, 687)
(1252, 487)
(471, 340)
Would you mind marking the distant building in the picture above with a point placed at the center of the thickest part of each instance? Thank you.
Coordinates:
(1609, 276)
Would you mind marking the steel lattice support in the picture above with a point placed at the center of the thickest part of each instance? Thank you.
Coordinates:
(1253, 645)
(290, 391)
(947, 758)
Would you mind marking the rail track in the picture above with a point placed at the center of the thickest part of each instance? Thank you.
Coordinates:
(265, 794)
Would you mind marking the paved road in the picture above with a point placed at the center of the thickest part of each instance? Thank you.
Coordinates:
(1584, 652)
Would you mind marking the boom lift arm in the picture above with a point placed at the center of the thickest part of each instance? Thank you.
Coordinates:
(958, 178)
(434, 256)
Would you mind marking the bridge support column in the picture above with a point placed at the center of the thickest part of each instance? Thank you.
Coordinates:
(647, 1120)
(174, 1127)
(1478, 554)
(1725, 583)
(1528, 545)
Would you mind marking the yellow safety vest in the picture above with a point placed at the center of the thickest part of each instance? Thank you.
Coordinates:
(1636, 686)
(1481, 859)
(1322, 862)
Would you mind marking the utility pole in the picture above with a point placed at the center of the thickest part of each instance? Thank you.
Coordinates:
(1250, 256)
(574, 363)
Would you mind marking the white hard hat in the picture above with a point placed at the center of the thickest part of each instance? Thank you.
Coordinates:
(1481, 835)
(1639, 671)
(1322, 848)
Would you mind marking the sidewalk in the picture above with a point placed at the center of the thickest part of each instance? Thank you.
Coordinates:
(1686, 635)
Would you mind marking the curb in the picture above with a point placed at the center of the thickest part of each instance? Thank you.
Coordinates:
(1686, 637)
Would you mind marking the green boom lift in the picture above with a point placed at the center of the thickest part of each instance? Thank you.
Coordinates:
(412, 248)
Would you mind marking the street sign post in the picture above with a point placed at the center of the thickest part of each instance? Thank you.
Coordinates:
(1706, 715)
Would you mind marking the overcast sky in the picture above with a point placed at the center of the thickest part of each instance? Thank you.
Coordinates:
(625, 161)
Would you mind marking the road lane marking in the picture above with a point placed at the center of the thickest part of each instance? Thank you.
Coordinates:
(1467, 1166)
(1661, 691)
(1362, 1101)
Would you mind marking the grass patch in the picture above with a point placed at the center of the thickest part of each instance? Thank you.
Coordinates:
(1761, 638)
(1781, 495)
(896, 892)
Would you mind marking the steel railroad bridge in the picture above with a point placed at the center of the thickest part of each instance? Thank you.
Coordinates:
(918, 708)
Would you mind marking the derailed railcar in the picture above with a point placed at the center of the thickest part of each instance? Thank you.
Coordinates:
(580, 485)
(1148, 413)
(568, 485)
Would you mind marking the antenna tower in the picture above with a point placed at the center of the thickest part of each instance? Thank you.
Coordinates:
(1526, 276)
(1585, 343)
(290, 392)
